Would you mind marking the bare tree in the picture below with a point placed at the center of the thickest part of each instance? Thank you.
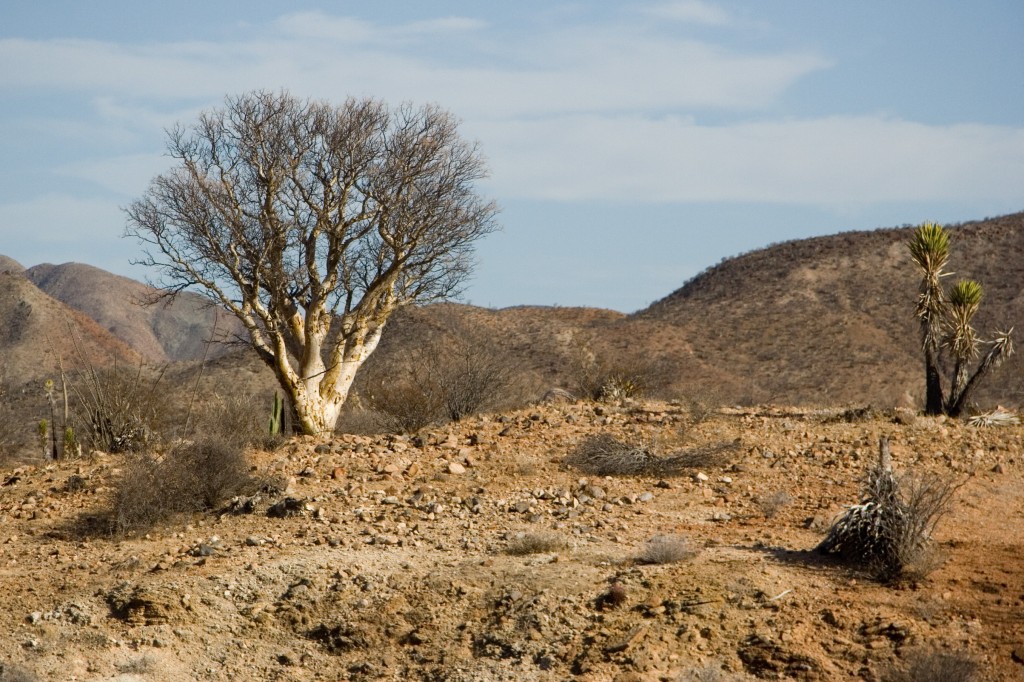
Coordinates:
(313, 223)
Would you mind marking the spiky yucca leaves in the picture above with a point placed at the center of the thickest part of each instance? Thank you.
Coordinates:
(889, 532)
(961, 339)
(929, 248)
(1000, 348)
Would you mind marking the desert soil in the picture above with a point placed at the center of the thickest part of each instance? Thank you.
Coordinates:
(393, 562)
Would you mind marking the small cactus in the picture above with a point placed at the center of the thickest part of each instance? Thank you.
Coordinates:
(276, 415)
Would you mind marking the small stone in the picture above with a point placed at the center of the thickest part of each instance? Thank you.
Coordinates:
(702, 477)
(456, 468)
(34, 617)
(999, 469)
(391, 499)
(646, 497)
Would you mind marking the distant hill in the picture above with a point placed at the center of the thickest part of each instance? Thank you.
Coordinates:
(10, 265)
(38, 331)
(821, 321)
(166, 331)
(829, 320)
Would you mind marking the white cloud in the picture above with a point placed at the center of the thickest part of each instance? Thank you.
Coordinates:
(568, 69)
(691, 11)
(816, 161)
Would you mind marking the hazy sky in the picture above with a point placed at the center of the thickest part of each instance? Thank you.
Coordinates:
(631, 144)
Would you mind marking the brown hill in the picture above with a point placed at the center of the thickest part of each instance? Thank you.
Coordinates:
(829, 320)
(38, 330)
(166, 331)
(8, 264)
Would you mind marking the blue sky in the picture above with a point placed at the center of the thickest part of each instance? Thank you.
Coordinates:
(631, 144)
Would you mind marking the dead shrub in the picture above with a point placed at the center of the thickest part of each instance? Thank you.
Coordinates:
(10, 672)
(241, 419)
(119, 407)
(536, 543)
(666, 549)
(609, 377)
(889, 532)
(450, 377)
(929, 665)
(603, 455)
(771, 505)
(193, 477)
(405, 402)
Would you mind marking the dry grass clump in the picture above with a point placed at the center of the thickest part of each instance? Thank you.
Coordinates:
(889, 532)
(603, 455)
(536, 543)
(10, 672)
(192, 477)
(771, 505)
(238, 418)
(931, 665)
(666, 549)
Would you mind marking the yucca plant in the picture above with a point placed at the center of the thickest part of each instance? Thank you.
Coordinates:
(945, 318)
(929, 247)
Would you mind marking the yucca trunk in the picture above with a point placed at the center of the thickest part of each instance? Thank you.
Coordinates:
(929, 248)
(1001, 349)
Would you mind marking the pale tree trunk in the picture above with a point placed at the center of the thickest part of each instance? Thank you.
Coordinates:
(317, 399)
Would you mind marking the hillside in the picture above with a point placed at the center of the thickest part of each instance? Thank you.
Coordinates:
(38, 330)
(830, 320)
(166, 331)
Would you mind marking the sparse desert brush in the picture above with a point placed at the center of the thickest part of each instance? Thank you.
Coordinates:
(192, 477)
(889, 532)
(615, 376)
(772, 503)
(237, 418)
(536, 543)
(120, 408)
(933, 665)
(666, 549)
(603, 455)
(10, 672)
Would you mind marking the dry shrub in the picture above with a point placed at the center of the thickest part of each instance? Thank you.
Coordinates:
(666, 549)
(404, 403)
(536, 543)
(931, 665)
(890, 531)
(10, 672)
(450, 377)
(772, 504)
(614, 376)
(11, 431)
(192, 477)
(603, 455)
(242, 419)
(119, 408)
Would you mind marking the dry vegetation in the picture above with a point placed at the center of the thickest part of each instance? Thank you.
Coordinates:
(441, 557)
(461, 527)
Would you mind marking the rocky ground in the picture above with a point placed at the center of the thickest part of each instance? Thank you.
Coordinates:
(473, 553)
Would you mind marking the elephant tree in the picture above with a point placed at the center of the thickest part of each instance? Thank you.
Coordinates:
(945, 318)
(313, 223)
